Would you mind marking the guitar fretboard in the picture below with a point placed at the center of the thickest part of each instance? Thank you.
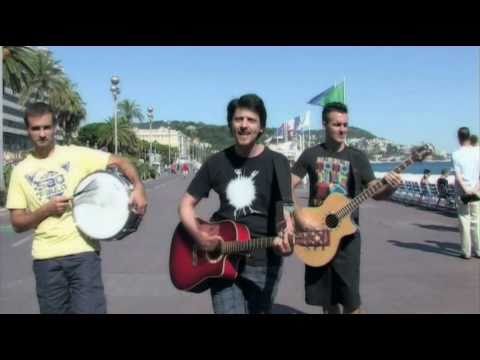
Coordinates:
(369, 192)
(304, 238)
(233, 247)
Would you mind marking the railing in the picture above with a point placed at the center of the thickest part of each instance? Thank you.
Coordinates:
(429, 196)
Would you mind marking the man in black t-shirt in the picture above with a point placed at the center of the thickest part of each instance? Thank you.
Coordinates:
(334, 167)
(245, 180)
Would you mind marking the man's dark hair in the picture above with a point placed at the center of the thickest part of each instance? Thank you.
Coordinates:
(250, 102)
(444, 171)
(474, 140)
(463, 134)
(38, 109)
(333, 106)
(426, 172)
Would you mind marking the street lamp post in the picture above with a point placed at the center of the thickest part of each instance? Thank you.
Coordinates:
(168, 127)
(150, 117)
(115, 89)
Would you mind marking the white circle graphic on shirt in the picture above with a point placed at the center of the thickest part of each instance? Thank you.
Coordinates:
(241, 192)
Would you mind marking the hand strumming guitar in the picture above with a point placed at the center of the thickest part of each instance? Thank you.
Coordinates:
(208, 242)
(305, 222)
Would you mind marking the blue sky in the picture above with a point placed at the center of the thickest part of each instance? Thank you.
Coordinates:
(404, 94)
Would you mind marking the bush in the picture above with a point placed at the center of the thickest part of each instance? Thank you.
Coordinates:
(143, 168)
(7, 172)
(3, 198)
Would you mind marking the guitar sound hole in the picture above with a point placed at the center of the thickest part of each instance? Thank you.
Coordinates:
(214, 256)
(331, 221)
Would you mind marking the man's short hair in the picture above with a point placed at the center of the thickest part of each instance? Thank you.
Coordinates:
(38, 109)
(250, 102)
(426, 172)
(333, 106)
(463, 134)
(444, 171)
(474, 140)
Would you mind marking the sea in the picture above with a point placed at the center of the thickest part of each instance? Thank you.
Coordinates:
(435, 167)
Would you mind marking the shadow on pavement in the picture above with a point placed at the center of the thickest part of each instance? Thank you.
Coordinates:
(284, 309)
(443, 248)
(438, 227)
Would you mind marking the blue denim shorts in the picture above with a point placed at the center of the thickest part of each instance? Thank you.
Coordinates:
(253, 292)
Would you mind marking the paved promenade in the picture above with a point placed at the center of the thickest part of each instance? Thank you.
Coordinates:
(410, 263)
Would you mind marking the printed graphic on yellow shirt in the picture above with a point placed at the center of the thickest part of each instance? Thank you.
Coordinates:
(48, 184)
(332, 178)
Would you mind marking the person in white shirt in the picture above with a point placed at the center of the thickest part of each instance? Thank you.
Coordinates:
(466, 161)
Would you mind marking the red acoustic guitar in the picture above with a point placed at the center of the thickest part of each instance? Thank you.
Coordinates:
(191, 268)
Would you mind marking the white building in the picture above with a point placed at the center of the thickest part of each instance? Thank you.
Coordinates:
(162, 135)
(15, 137)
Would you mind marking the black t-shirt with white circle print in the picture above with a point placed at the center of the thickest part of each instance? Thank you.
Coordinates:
(247, 190)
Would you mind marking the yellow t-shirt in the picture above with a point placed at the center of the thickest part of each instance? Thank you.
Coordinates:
(34, 182)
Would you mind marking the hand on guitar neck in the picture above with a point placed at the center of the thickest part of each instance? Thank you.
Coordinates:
(391, 181)
(283, 243)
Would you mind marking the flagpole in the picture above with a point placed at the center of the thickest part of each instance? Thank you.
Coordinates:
(303, 136)
(309, 137)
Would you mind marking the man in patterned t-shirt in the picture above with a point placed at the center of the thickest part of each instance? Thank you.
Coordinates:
(66, 264)
(334, 167)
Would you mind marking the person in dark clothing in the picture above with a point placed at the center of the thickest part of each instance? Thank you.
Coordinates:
(243, 176)
(333, 166)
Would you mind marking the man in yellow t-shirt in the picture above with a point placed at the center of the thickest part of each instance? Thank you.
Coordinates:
(66, 264)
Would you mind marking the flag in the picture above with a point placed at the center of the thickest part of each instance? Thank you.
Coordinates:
(290, 129)
(297, 122)
(332, 94)
(305, 124)
(290, 125)
(280, 131)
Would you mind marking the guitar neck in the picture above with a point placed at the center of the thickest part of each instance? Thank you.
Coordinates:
(370, 191)
(235, 247)
(304, 238)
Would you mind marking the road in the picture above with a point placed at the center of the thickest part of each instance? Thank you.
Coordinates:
(410, 263)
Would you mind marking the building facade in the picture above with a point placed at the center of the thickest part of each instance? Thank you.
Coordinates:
(15, 137)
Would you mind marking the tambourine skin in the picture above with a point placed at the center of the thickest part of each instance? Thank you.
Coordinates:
(119, 190)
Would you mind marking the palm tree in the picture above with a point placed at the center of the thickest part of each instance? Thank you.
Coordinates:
(69, 109)
(50, 84)
(49, 78)
(17, 66)
(130, 110)
(16, 71)
(127, 140)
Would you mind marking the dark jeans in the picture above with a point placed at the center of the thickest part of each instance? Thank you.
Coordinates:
(253, 292)
(70, 284)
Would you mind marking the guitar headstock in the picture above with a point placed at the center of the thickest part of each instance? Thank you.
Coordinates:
(421, 152)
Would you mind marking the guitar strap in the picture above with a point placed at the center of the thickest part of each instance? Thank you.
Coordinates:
(284, 185)
(355, 172)
(283, 178)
